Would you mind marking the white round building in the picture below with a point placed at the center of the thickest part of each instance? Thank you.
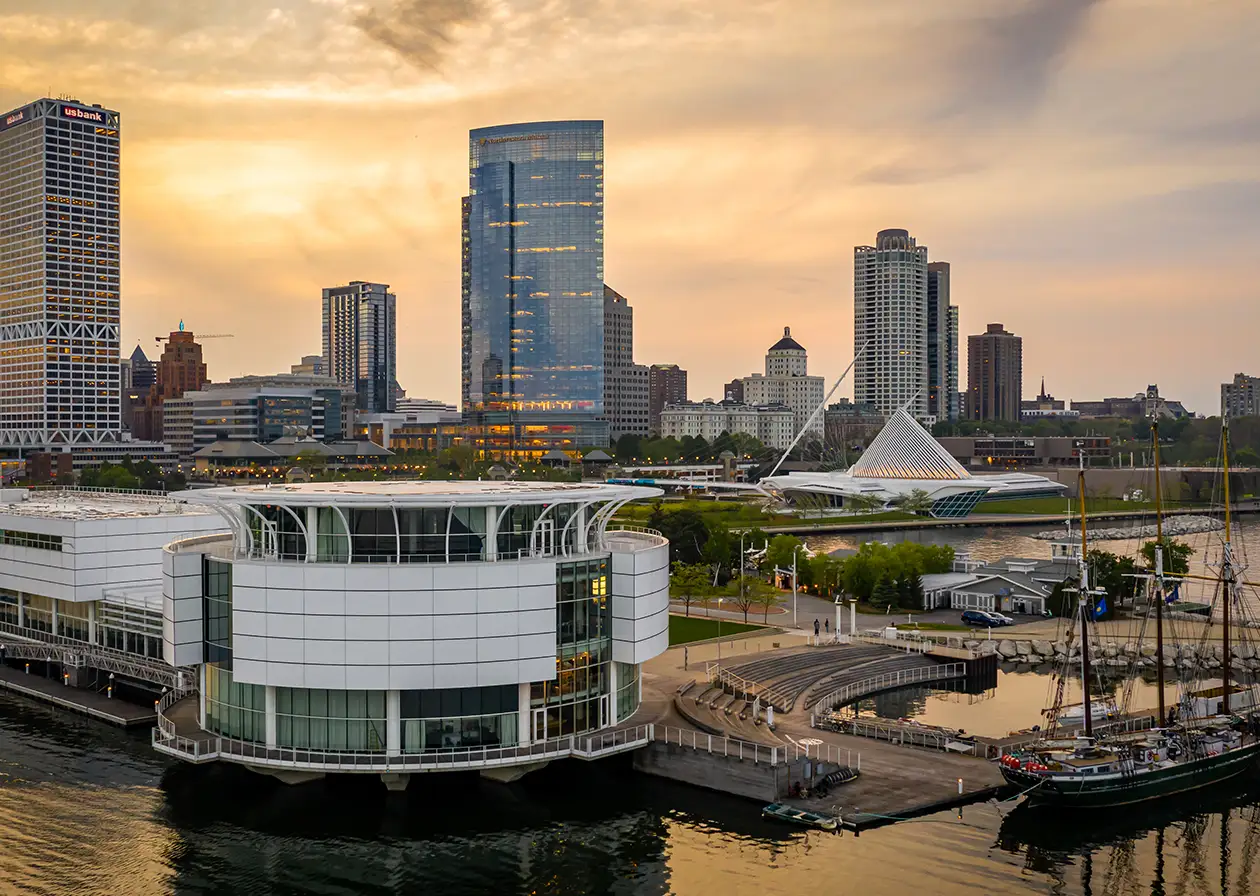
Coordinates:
(399, 627)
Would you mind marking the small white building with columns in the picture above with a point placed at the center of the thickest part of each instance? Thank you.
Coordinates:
(404, 627)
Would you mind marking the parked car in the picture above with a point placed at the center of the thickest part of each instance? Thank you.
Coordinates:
(1001, 619)
(979, 617)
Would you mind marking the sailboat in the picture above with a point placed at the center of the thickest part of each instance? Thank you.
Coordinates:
(1195, 749)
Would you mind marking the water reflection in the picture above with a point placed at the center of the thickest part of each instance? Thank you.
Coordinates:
(1200, 843)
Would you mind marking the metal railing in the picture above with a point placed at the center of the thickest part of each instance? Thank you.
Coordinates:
(74, 653)
(101, 490)
(723, 678)
(850, 693)
(204, 748)
(903, 734)
(718, 745)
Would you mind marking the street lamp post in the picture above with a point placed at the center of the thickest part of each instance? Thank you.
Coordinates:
(794, 550)
(719, 659)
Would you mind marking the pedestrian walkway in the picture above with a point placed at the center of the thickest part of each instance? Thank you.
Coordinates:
(80, 700)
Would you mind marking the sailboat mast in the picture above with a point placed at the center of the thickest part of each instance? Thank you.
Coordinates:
(1159, 574)
(1085, 603)
(1227, 570)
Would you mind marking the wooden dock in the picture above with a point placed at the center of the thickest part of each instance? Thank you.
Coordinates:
(80, 700)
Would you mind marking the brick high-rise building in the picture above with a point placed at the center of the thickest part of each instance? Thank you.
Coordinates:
(995, 375)
(667, 384)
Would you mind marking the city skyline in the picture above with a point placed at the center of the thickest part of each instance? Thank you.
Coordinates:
(1084, 189)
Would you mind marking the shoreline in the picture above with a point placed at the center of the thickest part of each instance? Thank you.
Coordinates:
(975, 521)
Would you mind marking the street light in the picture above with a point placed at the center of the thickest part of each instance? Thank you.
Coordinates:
(795, 548)
(719, 659)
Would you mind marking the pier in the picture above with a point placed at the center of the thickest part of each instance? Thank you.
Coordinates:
(79, 700)
(718, 733)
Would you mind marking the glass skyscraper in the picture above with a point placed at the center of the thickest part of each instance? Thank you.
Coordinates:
(533, 346)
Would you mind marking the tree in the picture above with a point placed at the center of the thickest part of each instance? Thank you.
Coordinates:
(689, 581)
(863, 503)
(686, 531)
(909, 590)
(311, 460)
(750, 593)
(780, 551)
(1176, 553)
(719, 552)
(628, 446)
(918, 501)
(761, 594)
(885, 596)
(1114, 575)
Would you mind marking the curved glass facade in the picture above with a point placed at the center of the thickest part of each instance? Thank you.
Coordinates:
(578, 699)
(535, 271)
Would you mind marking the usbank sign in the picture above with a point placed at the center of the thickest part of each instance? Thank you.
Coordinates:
(83, 114)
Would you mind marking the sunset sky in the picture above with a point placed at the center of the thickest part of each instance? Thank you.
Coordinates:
(1091, 168)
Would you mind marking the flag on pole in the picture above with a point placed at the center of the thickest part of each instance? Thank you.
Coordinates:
(1173, 595)
(1101, 610)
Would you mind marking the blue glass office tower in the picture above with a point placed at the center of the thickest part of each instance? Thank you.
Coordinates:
(533, 287)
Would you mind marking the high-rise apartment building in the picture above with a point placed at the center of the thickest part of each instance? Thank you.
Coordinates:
(1241, 398)
(360, 342)
(995, 375)
(667, 384)
(625, 383)
(890, 317)
(942, 344)
(787, 382)
(533, 345)
(955, 395)
(59, 275)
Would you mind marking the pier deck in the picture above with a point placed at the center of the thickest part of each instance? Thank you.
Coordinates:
(80, 700)
(896, 782)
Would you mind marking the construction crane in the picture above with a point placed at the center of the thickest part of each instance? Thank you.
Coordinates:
(159, 339)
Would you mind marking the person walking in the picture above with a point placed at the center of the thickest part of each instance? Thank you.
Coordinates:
(827, 626)
(817, 628)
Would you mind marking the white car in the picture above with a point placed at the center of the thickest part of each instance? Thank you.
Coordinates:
(1001, 620)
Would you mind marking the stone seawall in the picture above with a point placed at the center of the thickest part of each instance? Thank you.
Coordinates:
(1119, 655)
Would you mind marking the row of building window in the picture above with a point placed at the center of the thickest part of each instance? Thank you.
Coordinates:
(17, 538)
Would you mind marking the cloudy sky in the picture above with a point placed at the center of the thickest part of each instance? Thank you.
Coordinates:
(1090, 167)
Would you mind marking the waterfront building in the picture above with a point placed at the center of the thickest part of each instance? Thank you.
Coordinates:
(773, 424)
(419, 424)
(360, 342)
(626, 384)
(532, 365)
(59, 294)
(902, 460)
(667, 384)
(890, 317)
(83, 569)
(786, 382)
(1241, 398)
(420, 626)
(1013, 452)
(995, 375)
(942, 344)
(1018, 585)
(258, 409)
(238, 457)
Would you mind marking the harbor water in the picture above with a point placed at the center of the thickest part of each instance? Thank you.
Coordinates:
(88, 809)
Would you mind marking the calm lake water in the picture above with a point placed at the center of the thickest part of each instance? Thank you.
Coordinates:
(86, 809)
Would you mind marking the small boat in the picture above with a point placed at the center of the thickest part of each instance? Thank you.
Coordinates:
(800, 816)
(1074, 713)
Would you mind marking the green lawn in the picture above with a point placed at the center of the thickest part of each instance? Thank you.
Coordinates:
(684, 629)
(1063, 505)
(745, 515)
(934, 627)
